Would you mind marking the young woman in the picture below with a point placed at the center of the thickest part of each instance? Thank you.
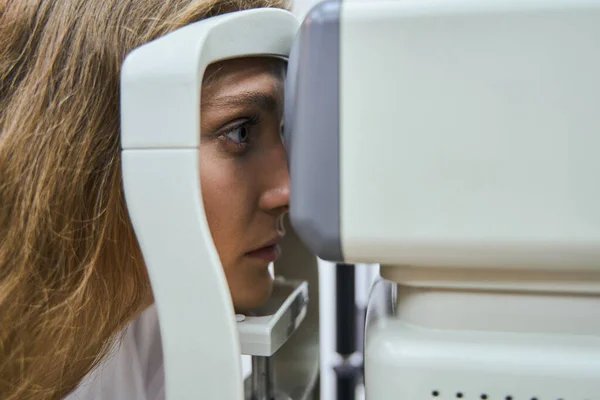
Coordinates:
(71, 273)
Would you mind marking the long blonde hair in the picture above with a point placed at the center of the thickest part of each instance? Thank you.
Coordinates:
(71, 272)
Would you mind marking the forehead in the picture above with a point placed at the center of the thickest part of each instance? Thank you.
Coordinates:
(240, 70)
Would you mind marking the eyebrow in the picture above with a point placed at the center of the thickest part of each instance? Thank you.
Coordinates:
(266, 102)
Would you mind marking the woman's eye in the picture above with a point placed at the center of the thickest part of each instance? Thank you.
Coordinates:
(239, 135)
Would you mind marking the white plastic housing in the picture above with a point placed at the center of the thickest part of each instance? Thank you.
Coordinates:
(408, 362)
(432, 344)
(265, 331)
(160, 112)
(470, 133)
(469, 137)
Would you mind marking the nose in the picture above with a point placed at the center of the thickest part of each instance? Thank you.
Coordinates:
(276, 196)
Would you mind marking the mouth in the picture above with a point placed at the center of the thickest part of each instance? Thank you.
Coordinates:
(269, 252)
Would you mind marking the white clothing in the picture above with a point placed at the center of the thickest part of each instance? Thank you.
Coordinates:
(133, 370)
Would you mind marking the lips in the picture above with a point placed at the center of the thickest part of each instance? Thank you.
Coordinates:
(269, 252)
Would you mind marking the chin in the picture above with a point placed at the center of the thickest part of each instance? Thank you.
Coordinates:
(253, 296)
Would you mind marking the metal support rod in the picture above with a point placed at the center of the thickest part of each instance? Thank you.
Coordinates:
(346, 380)
(345, 304)
(346, 326)
(263, 376)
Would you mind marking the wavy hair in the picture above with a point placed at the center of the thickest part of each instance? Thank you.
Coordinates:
(71, 271)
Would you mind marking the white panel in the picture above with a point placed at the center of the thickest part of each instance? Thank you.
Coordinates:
(407, 362)
(514, 311)
(160, 132)
(197, 321)
(470, 133)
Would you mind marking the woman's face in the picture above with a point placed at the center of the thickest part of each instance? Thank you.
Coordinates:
(243, 169)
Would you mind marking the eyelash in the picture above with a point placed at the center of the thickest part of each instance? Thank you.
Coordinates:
(248, 123)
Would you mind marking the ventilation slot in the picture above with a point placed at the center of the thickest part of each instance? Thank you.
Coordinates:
(437, 394)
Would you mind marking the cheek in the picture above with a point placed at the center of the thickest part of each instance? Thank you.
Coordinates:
(230, 205)
(225, 204)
